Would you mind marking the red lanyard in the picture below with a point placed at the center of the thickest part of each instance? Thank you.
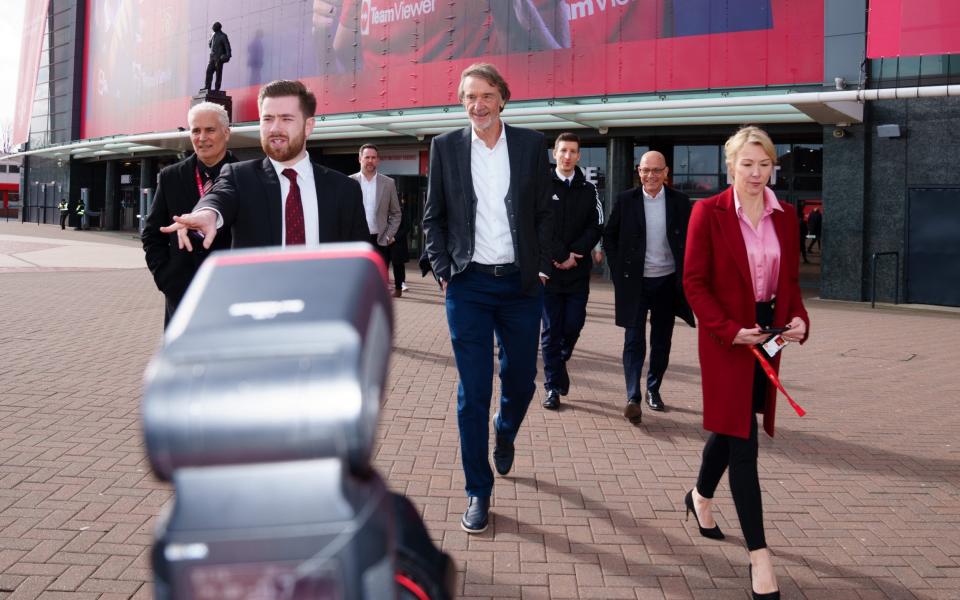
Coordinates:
(200, 188)
(772, 375)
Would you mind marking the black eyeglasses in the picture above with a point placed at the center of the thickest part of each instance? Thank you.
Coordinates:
(652, 171)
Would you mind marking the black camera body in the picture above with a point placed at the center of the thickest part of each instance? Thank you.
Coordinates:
(262, 409)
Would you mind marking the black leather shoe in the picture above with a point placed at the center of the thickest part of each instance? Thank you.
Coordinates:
(552, 401)
(475, 518)
(632, 411)
(503, 455)
(654, 400)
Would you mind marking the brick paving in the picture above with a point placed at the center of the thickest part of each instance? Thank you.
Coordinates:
(862, 496)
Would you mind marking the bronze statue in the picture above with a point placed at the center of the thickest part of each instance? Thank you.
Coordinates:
(219, 54)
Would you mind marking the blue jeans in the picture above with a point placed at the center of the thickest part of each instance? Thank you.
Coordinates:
(563, 319)
(479, 307)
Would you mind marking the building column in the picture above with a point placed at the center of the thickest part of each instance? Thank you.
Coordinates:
(148, 186)
(619, 168)
(619, 177)
(148, 173)
(844, 225)
(110, 217)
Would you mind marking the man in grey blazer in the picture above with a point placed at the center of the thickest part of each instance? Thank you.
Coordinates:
(380, 204)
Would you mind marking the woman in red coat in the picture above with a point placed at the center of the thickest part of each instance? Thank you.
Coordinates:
(742, 264)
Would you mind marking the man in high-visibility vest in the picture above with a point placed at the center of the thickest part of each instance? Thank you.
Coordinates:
(64, 212)
(79, 212)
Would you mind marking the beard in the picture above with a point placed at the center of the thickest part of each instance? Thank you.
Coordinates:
(294, 147)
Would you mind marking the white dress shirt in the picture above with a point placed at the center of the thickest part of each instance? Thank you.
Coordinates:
(308, 197)
(490, 168)
(564, 178)
(658, 258)
(369, 189)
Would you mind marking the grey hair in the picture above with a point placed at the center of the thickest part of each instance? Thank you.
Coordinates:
(210, 107)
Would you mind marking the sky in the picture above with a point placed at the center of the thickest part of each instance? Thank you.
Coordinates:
(11, 26)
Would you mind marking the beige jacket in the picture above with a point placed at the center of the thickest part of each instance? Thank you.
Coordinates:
(388, 213)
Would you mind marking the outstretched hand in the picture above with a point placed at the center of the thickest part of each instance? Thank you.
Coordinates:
(204, 221)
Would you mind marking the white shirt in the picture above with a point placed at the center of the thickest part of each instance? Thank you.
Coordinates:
(563, 177)
(658, 259)
(369, 189)
(308, 197)
(490, 168)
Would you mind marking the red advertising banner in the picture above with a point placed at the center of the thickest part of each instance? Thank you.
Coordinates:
(34, 25)
(914, 28)
(372, 55)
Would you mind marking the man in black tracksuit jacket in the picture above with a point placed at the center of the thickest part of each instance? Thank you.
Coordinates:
(578, 224)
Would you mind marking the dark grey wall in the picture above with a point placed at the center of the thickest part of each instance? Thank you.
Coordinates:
(925, 156)
(866, 181)
(843, 213)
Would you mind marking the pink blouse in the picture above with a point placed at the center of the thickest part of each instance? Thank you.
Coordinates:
(763, 246)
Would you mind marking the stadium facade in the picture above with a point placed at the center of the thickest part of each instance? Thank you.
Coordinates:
(858, 95)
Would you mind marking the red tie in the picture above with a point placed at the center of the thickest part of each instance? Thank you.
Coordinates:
(294, 212)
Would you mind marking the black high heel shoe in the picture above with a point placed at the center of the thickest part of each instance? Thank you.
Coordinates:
(769, 596)
(714, 533)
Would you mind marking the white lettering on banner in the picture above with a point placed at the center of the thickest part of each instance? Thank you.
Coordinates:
(399, 11)
(578, 9)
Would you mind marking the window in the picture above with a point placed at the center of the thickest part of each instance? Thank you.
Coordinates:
(13, 168)
(697, 170)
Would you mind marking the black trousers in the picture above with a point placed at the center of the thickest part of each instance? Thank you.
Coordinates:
(383, 251)
(563, 318)
(723, 452)
(399, 274)
(659, 295)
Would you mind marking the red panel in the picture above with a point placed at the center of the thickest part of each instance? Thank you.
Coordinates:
(148, 58)
(920, 28)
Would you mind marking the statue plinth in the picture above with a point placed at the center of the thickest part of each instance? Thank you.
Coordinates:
(217, 97)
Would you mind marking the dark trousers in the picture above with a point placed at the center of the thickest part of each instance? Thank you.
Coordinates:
(479, 308)
(63, 219)
(399, 273)
(657, 299)
(383, 251)
(739, 455)
(563, 319)
(214, 67)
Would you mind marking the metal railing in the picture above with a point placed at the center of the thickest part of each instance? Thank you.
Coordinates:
(873, 276)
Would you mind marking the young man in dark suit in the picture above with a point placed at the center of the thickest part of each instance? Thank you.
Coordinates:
(644, 241)
(284, 199)
(489, 231)
(179, 188)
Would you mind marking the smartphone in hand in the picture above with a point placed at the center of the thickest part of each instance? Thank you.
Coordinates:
(772, 330)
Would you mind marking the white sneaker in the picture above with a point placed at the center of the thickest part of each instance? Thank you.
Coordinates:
(404, 286)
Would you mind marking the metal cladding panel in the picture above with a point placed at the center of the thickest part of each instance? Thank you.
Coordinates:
(146, 59)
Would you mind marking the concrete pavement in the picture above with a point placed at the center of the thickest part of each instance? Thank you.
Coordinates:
(862, 496)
